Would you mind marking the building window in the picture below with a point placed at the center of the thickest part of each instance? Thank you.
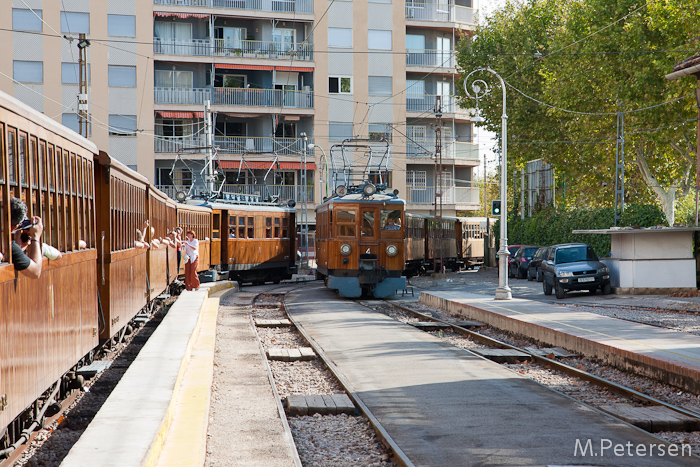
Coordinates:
(163, 176)
(340, 37)
(25, 20)
(28, 72)
(174, 79)
(71, 121)
(121, 76)
(416, 179)
(378, 131)
(379, 85)
(75, 23)
(339, 85)
(121, 25)
(415, 89)
(378, 39)
(338, 131)
(70, 73)
(122, 125)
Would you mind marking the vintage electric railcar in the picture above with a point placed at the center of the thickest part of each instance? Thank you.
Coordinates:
(360, 243)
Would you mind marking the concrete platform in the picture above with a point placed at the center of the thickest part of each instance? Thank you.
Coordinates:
(672, 357)
(444, 406)
(131, 427)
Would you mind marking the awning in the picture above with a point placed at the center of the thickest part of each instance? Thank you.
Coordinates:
(164, 14)
(294, 68)
(265, 165)
(176, 114)
(231, 66)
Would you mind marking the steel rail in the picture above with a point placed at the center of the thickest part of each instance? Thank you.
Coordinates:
(564, 368)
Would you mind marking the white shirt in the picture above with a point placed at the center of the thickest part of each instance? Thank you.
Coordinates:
(191, 248)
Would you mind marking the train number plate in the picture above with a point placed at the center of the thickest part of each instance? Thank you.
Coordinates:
(586, 279)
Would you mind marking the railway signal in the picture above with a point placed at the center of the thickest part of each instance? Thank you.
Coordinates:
(496, 207)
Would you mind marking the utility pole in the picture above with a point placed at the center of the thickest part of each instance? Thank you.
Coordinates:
(620, 168)
(209, 162)
(487, 239)
(83, 114)
(438, 177)
(304, 207)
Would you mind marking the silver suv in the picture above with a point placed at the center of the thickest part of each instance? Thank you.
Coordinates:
(573, 266)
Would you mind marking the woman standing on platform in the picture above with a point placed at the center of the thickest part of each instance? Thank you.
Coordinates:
(192, 252)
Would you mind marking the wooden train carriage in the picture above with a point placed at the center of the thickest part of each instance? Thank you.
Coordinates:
(255, 243)
(198, 219)
(415, 242)
(356, 254)
(48, 324)
(122, 208)
(472, 241)
(441, 249)
(161, 260)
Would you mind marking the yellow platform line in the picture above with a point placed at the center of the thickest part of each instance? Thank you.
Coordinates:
(579, 328)
(182, 438)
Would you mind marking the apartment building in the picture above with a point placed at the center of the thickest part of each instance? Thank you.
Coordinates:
(278, 74)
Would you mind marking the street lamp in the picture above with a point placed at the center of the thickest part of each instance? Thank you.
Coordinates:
(480, 89)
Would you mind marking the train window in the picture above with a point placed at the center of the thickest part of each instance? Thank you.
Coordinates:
(11, 151)
(51, 168)
(268, 227)
(23, 160)
(232, 221)
(391, 219)
(2, 146)
(251, 227)
(285, 230)
(216, 225)
(277, 227)
(368, 223)
(241, 227)
(346, 223)
(33, 166)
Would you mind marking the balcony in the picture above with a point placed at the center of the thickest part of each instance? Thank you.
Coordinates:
(174, 144)
(439, 13)
(282, 193)
(452, 150)
(430, 58)
(458, 196)
(426, 103)
(260, 145)
(277, 6)
(263, 98)
(230, 48)
(182, 96)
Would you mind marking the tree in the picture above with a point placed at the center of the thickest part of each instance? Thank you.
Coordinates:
(578, 55)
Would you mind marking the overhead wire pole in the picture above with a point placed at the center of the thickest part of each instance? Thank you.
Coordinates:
(83, 111)
(209, 163)
(438, 178)
(620, 169)
(304, 207)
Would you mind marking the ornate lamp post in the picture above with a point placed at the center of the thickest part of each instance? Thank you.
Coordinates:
(480, 89)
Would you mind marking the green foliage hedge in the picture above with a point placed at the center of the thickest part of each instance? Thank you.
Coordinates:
(550, 226)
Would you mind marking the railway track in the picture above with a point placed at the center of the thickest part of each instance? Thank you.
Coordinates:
(552, 364)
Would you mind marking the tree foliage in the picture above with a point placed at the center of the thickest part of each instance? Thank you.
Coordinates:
(594, 57)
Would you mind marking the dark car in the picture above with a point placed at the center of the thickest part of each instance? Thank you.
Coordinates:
(573, 266)
(534, 270)
(521, 259)
(512, 249)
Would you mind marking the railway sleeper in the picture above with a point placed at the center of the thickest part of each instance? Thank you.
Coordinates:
(323, 404)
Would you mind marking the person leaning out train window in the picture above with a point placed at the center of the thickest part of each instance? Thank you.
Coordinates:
(192, 252)
(231, 233)
(177, 243)
(27, 236)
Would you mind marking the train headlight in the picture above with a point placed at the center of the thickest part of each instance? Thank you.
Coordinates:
(392, 250)
(369, 189)
(345, 249)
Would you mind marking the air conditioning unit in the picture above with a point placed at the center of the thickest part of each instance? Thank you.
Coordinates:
(307, 88)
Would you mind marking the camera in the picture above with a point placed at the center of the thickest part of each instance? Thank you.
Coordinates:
(24, 225)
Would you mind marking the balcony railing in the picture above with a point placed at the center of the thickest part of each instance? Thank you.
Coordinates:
(182, 96)
(281, 6)
(450, 149)
(450, 195)
(173, 144)
(263, 98)
(281, 193)
(426, 103)
(439, 12)
(430, 58)
(234, 48)
(261, 145)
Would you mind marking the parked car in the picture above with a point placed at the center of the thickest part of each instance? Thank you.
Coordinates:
(534, 270)
(521, 259)
(573, 266)
(511, 252)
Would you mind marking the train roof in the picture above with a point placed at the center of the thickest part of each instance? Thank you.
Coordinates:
(375, 198)
(106, 160)
(15, 106)
(239, 206)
